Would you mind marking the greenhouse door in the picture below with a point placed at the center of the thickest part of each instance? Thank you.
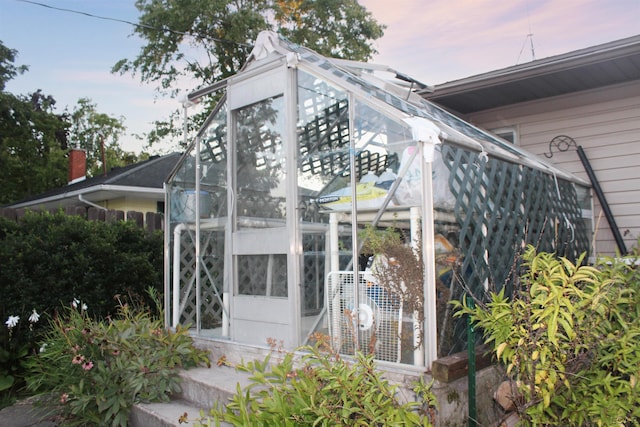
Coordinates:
(263, 307)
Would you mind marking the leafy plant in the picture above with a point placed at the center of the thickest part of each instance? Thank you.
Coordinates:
(399, 270)
(569, 338)
(93, 372)
(15, 345)
(50, 259)
(321, 390)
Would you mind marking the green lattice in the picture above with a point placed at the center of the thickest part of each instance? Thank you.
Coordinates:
(500, 207)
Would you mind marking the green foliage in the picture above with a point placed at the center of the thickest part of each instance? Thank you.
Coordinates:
(377, 241)
(569, 338)
(223, 33)
(398, 268)
(34, 139)
(49, 260)
(16, 338)
(93, 372)
(32, 146)
(334, 28)
(321, 390)
(91, 130)
(8, 70)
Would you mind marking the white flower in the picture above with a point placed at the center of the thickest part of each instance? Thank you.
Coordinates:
(75, 303)
(84, 307)
(43, 348)
(12, 321)
(34, 316)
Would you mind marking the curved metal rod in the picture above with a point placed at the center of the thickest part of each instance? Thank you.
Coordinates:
(563, 143)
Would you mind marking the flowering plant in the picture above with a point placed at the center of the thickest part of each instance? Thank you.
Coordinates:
(92, 372)
(16, 342)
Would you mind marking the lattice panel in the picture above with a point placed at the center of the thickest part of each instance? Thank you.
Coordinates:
(264, 275)
(260, 204)
(328, 131)
(324, 145)
(500, 207)
(211, 276)
(313, 273)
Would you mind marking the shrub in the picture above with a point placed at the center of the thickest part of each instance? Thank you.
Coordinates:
(569, 338)
(50, 259)
(322, 390)
(92, 372)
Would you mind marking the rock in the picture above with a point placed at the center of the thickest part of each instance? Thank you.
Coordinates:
(507, 395)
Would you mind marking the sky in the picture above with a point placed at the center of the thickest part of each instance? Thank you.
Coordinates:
(70, 55)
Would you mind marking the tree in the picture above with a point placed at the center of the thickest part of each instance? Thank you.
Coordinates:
(206, 40)
(32, 138)
(98, 134)
(7, 68)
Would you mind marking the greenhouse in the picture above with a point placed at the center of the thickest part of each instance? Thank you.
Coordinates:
(305, 163)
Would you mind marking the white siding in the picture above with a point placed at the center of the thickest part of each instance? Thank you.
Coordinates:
(606, 123)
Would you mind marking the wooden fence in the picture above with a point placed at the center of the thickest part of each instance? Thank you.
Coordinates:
(151, 221)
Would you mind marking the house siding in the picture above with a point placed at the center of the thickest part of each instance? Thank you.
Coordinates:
(606, 123)
(132, 204)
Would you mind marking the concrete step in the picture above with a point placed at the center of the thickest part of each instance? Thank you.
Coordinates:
(205, 387)
(163, 414)
(202, 389)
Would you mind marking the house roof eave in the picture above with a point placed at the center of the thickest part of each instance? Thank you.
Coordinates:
(89, 193)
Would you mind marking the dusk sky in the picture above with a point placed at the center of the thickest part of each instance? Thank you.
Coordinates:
(70, 55)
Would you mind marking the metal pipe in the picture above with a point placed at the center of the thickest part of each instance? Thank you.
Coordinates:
(418, 329)
(622, 247)
(355, 252)
(198, 249)
(176, 274)
(430, 338)
(83, 200)
(471, 374)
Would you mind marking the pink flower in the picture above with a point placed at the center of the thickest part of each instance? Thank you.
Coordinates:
(77, 359)
(64, 398)
(87, 366)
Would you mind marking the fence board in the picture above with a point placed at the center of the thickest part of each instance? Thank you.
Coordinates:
(150, 221)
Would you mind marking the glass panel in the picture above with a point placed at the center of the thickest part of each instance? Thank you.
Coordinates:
(182, 215)
(264, 275)
(260, 171)
(584, 197)
(382, 145)
(323, 162)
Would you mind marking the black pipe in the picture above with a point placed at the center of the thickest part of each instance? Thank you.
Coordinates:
(622, 247)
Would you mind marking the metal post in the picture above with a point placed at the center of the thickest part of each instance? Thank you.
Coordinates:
(471, 375)
(355, 252)
(429, 333)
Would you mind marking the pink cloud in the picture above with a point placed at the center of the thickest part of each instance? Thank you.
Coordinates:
(441, 40)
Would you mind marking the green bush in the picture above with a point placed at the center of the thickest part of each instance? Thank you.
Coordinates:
(570, 339)
(48, 260)
(322, 390)
(92, 372)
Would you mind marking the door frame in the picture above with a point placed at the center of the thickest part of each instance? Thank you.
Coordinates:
(261, 319)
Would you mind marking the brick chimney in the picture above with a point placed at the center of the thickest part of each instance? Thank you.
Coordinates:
(77, 165)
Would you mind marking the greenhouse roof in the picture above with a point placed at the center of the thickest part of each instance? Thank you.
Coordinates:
(395, 89)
